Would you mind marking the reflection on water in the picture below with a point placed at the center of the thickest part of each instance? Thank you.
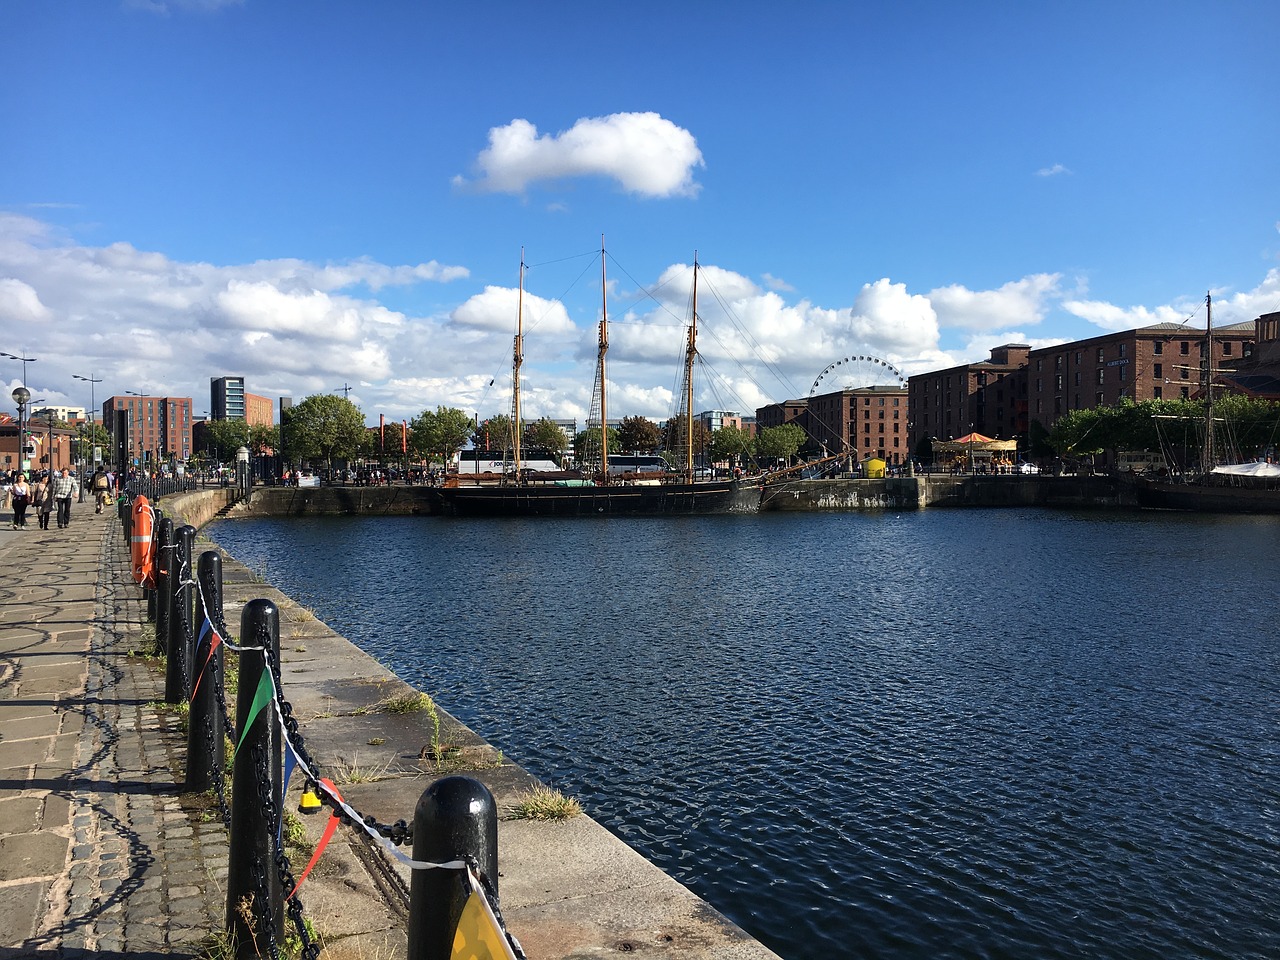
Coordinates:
(940, 734)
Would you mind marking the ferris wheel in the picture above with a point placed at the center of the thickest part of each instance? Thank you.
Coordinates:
(857, 371)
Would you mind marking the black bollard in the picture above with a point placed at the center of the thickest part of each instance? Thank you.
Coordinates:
(157, 602)
(204, 725)
(177, 674)
(255, 795)
(456, 817)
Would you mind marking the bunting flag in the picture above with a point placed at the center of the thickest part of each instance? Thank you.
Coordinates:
(479, 935)
(290, 761)
(404, 436)
(325, 837)
(265, 693)
(213, 645)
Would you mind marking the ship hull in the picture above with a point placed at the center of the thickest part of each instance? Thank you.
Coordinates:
(534, 500)
(1207, 497)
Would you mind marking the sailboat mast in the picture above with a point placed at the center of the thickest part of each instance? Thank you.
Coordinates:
(517, 359)
(603, 349)
(691, 352)
(1207, 457)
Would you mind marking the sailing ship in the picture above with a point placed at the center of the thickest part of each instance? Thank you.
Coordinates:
(597, 492)
(1216, 487)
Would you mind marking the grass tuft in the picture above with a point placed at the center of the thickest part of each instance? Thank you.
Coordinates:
(544, 803)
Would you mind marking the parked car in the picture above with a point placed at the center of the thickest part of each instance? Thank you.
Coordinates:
(1028, 468)
(308, 480)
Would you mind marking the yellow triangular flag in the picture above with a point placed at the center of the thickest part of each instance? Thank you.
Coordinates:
(479, 935)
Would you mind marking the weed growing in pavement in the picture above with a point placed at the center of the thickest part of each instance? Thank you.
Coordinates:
(354, 772)
(544, 803)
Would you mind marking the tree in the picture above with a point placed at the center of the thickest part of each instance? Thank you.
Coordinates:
(263, 440)
(638, 435)
(440, 433)
(781, 442)
(225, 437)
(675, 435)
(586, 444)
(729, 443)
(324, 427)
(545, 434)
(494, 434)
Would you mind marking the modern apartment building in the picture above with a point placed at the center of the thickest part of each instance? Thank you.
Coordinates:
(226, 398)
(258, 411)
(159, 428)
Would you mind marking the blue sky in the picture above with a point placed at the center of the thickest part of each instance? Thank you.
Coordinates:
(313, 194)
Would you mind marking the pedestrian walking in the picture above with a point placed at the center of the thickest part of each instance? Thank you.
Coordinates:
(20, 496)
(63, 488)
(42, 499)
(101, 489)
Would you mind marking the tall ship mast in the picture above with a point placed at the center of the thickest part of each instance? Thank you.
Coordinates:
(517, 360)
(596, 456)
(1207, 458)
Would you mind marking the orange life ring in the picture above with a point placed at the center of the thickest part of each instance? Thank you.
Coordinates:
(141, 549)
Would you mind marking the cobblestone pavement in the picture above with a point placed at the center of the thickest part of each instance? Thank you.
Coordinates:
(97, 854)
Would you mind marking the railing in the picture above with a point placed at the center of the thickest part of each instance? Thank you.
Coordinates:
(454, 833)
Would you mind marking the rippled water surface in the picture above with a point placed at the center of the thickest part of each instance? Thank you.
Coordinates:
(940, 734)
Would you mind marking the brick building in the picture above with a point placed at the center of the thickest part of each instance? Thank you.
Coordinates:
(1162, 361)
(988, 397)
(867, 421)
(159, 427)
(259, 411)
(776, 414)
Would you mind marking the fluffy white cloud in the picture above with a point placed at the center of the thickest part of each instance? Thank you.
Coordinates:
(20, 304)
(1110, 317)
(1056, 170)
(496, 309)
(143, 321)
(645, 153)
(1016, 302)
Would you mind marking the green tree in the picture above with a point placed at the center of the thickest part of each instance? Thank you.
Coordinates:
(324, 427)
(638, 435)
(263, 440)
(494, 434)
(93, 435)
(729, 443)
(225, 437)
(439, 433)
(781, 442)
(586, 444)
(545, 434)
(675, 435)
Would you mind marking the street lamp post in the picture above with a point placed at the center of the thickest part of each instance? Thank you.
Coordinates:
(20, 396)
(25, 361)
(91, 381)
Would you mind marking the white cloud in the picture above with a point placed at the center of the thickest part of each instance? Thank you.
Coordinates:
(143, 321)
(20, 304)
(496, 309)
(1110, 317)
(1056, 170)
(777, 283)
(1016, 302)
(645, 153)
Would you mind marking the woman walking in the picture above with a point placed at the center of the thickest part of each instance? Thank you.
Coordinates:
(42, 500)
(20, 494)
